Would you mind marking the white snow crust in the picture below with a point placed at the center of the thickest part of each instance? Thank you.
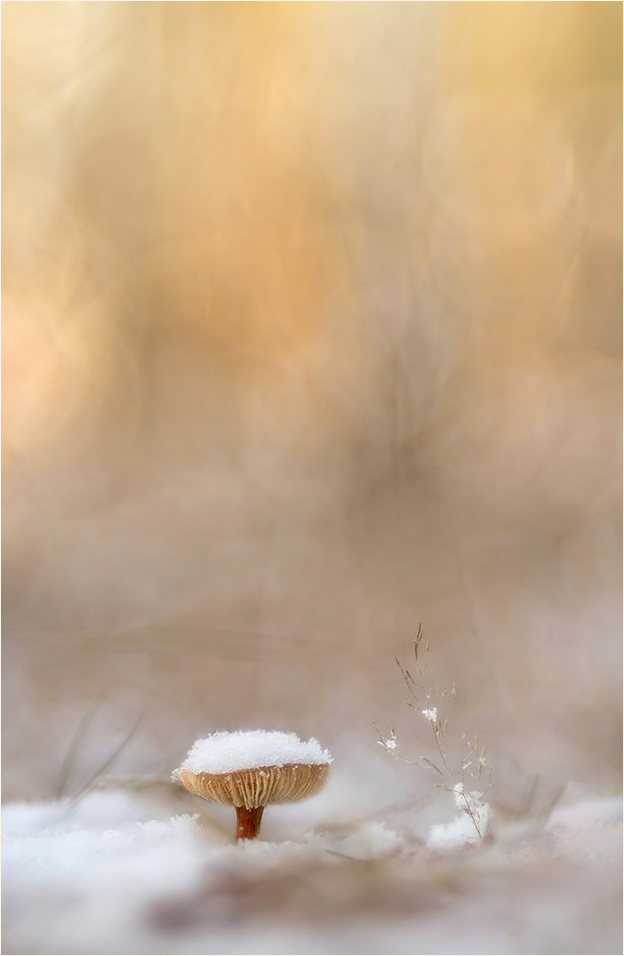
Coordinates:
(224, 751)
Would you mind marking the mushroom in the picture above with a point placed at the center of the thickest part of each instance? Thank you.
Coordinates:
(250, 769)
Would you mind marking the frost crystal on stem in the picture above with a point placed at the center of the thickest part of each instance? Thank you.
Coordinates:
(472, 804)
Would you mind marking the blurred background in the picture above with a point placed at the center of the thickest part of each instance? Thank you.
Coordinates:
(312, 334)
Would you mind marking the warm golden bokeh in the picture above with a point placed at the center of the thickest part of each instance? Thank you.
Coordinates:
(312, 320)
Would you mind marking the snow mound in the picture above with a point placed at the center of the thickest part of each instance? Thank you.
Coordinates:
(470, 828)
(588, 814)
(370, 841)
(445, 837)
(225, 752)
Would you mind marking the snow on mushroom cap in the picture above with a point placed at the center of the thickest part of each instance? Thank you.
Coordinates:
(225, 752)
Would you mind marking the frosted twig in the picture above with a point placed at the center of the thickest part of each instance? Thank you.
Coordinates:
(471, 757)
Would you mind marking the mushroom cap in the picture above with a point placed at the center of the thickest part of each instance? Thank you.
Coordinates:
(257, 786)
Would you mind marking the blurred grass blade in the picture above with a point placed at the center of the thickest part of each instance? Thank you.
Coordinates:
(76, 742)
(109, 760)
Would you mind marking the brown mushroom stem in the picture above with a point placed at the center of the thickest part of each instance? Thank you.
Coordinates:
(248, 822)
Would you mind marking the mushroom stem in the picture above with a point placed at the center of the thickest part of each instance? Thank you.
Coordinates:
(248, 822)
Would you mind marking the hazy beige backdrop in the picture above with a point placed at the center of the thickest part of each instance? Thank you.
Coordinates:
(312, 318)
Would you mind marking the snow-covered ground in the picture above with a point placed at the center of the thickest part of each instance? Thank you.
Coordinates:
(115, 873)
